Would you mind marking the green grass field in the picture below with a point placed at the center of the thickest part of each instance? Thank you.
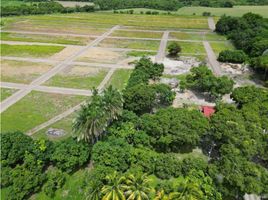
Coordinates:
(12, 2)
(137, 34)
(191, 47)
(140, 53)
(22, 71)
(6, 92)
(79, 78)
(65, 124)
(45, 38)
(119, 78)
(130, 44)
(36, 108)
(29, 50)
(220, 46)
(235, 11)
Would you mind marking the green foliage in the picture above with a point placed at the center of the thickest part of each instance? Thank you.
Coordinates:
(174, 48)
(93, 117)
(55, 180)
(42, 8)
(174, 129)
(13, 147)
(192, 163)
(260, 64)
(202, 79)
(114, 153)
(233, 56)
(70, 154)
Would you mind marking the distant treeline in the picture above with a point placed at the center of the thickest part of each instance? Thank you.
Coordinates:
(42, 8)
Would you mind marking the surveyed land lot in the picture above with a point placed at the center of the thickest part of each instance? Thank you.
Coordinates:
(51, 63)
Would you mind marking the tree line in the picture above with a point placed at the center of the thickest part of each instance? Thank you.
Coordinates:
(249, 34)
(47, 7)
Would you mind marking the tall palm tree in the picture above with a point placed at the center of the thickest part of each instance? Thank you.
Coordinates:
(93, 117)
(91, 120)
(137, 187)
(113, 189)
(113, 102)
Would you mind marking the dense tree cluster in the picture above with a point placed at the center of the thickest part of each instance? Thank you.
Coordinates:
(24, 162)
(42, 8)
(232, 56)
(249, 34)
(202, 79)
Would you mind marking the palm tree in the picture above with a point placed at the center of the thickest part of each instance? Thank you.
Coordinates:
(90, 120)
(113, 189)
(137, 187)
(113, 102)
(93, 117)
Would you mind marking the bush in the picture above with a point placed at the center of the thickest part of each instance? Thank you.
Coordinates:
(228, 4)
(55, 180)
(206, 14)
(233, 56)
(174, 48)
(70, 154)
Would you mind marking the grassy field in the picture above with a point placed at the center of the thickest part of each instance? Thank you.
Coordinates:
(140, 53)
(196, 36)
(45, 38)
(98, 23)
(21, 71)
(29, 50)
(65, 124)
(78, 77)
(119, 78)
(191, 47)
(220, 46)
(36, 108)
(6, 92)
(130, 44)
(137, 34)
(235, 11)
(12, 2)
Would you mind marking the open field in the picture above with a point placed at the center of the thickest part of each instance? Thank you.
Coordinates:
(5, 36)
(235, 11)
(6, 92)
(36, 108)
(130, 44)
(80, 77)
(137, 34)
(220, 46)
(21, 72)
(191, 47)
(119, 78)
(29, 50)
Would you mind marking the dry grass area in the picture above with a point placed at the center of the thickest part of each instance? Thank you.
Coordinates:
(22, 72)
(66, 53)
(100, 55)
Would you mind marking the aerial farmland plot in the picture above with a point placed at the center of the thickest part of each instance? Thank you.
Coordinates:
(67, 55)
(61, 74)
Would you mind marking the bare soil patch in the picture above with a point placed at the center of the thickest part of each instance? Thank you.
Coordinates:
(66, 52)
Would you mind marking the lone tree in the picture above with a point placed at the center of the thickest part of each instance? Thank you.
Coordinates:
(174, 48)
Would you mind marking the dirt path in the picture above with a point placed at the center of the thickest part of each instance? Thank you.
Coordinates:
(71, 110)
(59, 67)
(212, 59)
(162, 48)
(211, 23)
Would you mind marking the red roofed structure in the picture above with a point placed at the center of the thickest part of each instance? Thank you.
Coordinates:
(208, 110)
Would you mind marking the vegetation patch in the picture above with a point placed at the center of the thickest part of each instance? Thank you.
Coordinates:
(137, 34)
(191, 47)
(131, 44)
(140, 53)
(29, 50)
(22, 71)
(36, 108)
(120, 78)
(45, 38)
(80, 77)
(6, 92)
(221, 46)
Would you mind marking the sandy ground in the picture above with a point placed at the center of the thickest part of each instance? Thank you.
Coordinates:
(80, 71)
(22, 70)
(65, 53)
(100, 55)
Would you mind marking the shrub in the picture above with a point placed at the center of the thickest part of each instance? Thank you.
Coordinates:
(206, 14)
(174, 48)
(233, 56)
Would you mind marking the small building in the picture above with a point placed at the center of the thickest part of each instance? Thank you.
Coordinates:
(208, 111)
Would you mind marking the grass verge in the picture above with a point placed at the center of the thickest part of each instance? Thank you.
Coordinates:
(119, 78)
